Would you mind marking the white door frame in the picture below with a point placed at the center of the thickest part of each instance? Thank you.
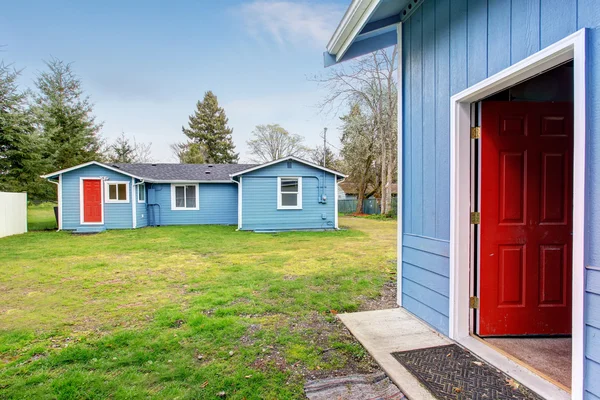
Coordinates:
(90, 178)
(573, 48)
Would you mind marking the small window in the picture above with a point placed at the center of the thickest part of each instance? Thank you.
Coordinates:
(141, 193)
(184, 197)
(289, 193)
(117, 192)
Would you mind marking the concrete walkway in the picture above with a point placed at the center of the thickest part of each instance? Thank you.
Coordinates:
(383, 332)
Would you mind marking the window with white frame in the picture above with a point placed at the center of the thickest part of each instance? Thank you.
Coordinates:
(117, 192)
(289, 193)
(184, 197)
(141, 193)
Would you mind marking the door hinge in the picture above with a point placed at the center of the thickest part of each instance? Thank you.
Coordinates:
(475, 132)
(473, 302)
(475, 218)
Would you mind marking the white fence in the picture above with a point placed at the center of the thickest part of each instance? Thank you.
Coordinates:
(13, 213)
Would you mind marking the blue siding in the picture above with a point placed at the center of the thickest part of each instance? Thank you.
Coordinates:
(116, 216)
(218, 205)
(259, 199)
(461, 42)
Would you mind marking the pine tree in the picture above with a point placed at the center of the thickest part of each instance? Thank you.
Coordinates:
(208, 129)
(21, 161)
(64, 116)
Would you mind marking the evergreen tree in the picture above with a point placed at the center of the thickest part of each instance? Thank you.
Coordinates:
(64, 116)
(208, 129)
(189, 153)
(21, 161)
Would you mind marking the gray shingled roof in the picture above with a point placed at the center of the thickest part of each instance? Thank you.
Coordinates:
(182, 172)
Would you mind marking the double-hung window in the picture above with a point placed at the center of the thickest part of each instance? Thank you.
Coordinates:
(184, 197)
(289, 193)
(117, 192)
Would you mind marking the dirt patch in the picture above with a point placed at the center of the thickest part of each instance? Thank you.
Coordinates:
(387, 299)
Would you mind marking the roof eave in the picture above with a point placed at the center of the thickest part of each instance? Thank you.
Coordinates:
(245, 171)
(62, 171)
(350, 26)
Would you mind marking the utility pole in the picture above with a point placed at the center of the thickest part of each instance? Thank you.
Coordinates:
(324, 146)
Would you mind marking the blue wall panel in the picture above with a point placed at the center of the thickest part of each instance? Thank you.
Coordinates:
(116, 216)
(471, 40)
(524, 29)
(217, 201)
(259, 202)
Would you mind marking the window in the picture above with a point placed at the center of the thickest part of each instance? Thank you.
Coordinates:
(117, 192)
(184, 197)
(141, 193)
(289, 193)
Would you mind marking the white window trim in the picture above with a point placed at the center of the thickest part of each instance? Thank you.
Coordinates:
(174, 208)
(107, 190)
(81, 221)
(572, 47)
(299, 194)
(137, 194)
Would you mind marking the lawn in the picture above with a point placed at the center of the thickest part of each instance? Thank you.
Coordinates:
(41, 217)
(186, 312)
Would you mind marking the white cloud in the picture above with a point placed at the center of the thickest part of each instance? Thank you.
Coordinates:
(292, 22)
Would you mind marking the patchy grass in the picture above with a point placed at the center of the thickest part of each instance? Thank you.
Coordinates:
(185, 312)
(41, 217)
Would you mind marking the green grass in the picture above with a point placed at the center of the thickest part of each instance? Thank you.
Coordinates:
(41, 217)
(184, 312)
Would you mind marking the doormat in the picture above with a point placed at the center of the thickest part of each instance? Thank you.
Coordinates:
(453, 373)
(354, 387)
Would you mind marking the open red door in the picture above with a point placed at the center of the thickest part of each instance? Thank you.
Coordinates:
(92, 201)
(526, 218)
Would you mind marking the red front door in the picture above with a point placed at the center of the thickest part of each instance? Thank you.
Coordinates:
(526, 218)
(92, 201)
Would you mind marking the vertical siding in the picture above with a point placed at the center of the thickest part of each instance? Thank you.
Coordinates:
(589, 16)
(259, 199)
(448, 46)
(218, 205)
(116, 216)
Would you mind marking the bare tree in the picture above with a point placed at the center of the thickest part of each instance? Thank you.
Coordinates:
(124, 150)
(316, 156)
(272, 142)
(370, 82)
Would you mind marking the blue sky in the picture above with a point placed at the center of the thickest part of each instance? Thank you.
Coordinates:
(146, 63)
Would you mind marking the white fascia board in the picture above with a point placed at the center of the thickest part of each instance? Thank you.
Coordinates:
(354, 20)
(182, 181)
(62, 171)
(287, 159)
(342, 28)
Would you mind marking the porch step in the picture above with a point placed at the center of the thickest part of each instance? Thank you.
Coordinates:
(87, 230)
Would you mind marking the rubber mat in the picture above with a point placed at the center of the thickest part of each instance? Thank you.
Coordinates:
(453, 373)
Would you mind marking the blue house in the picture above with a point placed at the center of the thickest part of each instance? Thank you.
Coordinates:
(499, 171)
(286, 194)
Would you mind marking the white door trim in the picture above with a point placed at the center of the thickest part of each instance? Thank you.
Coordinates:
(399, 196)
(573, 48)
(86, 178)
